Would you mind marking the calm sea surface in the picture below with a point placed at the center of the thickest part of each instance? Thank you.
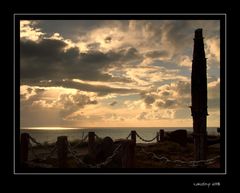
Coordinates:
(50, 134)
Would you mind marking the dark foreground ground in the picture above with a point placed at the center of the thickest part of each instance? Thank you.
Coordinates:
(166, 154)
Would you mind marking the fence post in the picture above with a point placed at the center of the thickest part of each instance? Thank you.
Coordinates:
(161, 135)
(91, 141)
(128, 157)
(62, 150)
(133, 136)
(24, 147)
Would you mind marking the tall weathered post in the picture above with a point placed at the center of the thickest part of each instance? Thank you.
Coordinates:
(199, 97)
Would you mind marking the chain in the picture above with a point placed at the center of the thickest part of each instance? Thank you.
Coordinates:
(180, 162)
(145, 140)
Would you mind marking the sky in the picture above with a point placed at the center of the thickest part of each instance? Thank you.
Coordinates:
(114, 73)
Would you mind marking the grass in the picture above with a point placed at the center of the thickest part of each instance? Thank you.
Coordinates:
(171, 150)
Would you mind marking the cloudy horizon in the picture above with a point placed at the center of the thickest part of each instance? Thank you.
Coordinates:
(114, 73)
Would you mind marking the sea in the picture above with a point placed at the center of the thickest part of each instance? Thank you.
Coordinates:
(50, 134)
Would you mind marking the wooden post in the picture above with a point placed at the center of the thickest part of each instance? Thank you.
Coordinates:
(133, 136)
(158, 136)
(62, 150)
(24, 147)
(161, 135)
(128, 156)
(91, 141)
(199, 97)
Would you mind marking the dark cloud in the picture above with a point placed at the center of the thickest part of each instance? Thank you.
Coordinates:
(39, 90)
(113, 103)
(94, 46)
(70, 29)
(47, 60)
(108, 39)
(100, 89)
(156, 54)
(166, 93)
(29, 90)
(168, 104)
(183, 87)
(149, 99)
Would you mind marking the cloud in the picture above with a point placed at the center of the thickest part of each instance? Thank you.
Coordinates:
(29, 31)
(113, 103)
(213, 49)
(101, 90)
(90, 71)
(48, 59)
(168, 104)
(72, 102)
(157, 54)
(149, 99)
(157, 115)
(142, 116)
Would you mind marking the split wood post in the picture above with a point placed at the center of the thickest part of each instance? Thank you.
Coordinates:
(24, 147)
(161, 135)
(91, 141)
(62, 150)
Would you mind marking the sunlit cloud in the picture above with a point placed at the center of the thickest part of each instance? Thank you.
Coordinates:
(114, 73)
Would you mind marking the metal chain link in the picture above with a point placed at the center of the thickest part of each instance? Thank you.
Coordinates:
(145, 140)
(180, 162)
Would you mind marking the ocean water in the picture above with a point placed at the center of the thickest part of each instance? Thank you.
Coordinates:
(50, 134)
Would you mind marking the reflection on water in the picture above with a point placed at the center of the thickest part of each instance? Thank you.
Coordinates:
(50, 134)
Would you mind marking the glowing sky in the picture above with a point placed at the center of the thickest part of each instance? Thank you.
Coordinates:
(115, 73)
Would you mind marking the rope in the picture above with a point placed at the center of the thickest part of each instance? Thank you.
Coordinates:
(80, 142)
(77, 160)
(100, 165)
(110, 158)
(33, 152)
(180, 162)
(34, 140)
(97, 136)
(52, 151)
(128, 136)
(145, 140)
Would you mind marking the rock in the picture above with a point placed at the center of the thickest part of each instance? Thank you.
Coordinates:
(179, 136)
(103, 149)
